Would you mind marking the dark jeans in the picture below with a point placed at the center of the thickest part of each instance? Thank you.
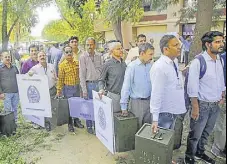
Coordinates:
(90, 87)
(186, 57)
(71, 91)
(201, 129)
(167, 120)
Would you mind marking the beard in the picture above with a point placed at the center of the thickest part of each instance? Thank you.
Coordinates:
(217, 51)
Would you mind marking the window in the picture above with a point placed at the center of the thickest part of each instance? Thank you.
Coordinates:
(147, 5)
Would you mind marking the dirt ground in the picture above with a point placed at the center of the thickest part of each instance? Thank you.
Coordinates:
(61, 147)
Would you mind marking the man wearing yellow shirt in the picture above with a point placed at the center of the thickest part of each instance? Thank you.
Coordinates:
(68, 79)
(76, 53)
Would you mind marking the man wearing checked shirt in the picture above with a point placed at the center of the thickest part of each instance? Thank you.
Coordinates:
(137, 84)
(68, 81)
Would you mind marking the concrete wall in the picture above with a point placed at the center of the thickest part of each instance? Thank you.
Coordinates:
(109, 35)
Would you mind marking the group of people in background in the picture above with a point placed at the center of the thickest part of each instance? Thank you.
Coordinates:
(153, 92)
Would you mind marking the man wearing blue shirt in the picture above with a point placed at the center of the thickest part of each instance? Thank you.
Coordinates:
(206, 94)
(137, 84)
(187, 42)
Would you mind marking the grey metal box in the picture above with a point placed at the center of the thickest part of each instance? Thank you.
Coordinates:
(60, 114)
(154, 149)
(7, 123)
(125, 129)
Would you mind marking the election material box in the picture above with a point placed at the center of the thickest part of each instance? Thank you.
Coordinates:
(60, 113)
(125, 129)
(154, 148)
(7, 123)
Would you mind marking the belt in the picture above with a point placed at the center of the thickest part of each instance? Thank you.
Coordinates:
(115, 93)
(148, 98)
(209, 103)
(88, 81)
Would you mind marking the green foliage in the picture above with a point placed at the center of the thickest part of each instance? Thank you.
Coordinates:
(129, 10)
(21, 14)
(189, 12)
(72, 23)
(10, 151)
(26, 139)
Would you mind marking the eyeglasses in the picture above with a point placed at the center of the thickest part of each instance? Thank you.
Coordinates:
(68, 52)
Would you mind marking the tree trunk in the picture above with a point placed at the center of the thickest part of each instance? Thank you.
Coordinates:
(117, 29)
(203, 25)
(5, 37)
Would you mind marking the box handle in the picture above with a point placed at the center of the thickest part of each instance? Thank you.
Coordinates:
(158, 136)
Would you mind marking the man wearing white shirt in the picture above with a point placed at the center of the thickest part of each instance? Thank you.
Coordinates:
(133, 54)
(44, 68)
(206, 94)
(167, 96)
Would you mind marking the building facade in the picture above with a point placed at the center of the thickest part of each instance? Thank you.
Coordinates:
(155, 24)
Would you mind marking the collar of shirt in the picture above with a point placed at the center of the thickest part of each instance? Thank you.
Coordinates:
(88, 55)
(208, 58)
(78, 53)
(117, 61)
(30, 60)
(67, 62)
(138, 61)
(3, 65)
(167, 59)
(40, 66)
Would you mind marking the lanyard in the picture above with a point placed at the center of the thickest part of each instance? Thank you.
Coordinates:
(45, 70)
(175, 67)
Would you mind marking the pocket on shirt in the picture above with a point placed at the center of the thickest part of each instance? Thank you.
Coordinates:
(69, 72)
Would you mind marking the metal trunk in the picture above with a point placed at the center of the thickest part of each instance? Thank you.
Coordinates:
(154, 149)
(125, 130)
(7, 123)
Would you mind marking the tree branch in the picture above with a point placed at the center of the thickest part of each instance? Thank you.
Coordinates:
(62, 15)
(16, 20)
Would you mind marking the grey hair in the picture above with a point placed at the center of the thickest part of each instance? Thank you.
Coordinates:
(91, 38)
(113, 45)
(144, 47)
(165, 41)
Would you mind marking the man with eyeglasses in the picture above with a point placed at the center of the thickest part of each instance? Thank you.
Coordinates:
(167, 96)
(90, 69)
(76, 52)
(68, 81)
(167, 91)
(136, 88)
(27, 65)
(74, 43)
(8, 84)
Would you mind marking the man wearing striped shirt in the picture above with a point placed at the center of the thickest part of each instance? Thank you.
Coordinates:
(90, 70)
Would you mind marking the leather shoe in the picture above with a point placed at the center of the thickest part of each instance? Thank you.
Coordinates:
(205, 158)
(189, 161)
(90, 131)
(71, 128)
(77, 123)
(48, 126)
